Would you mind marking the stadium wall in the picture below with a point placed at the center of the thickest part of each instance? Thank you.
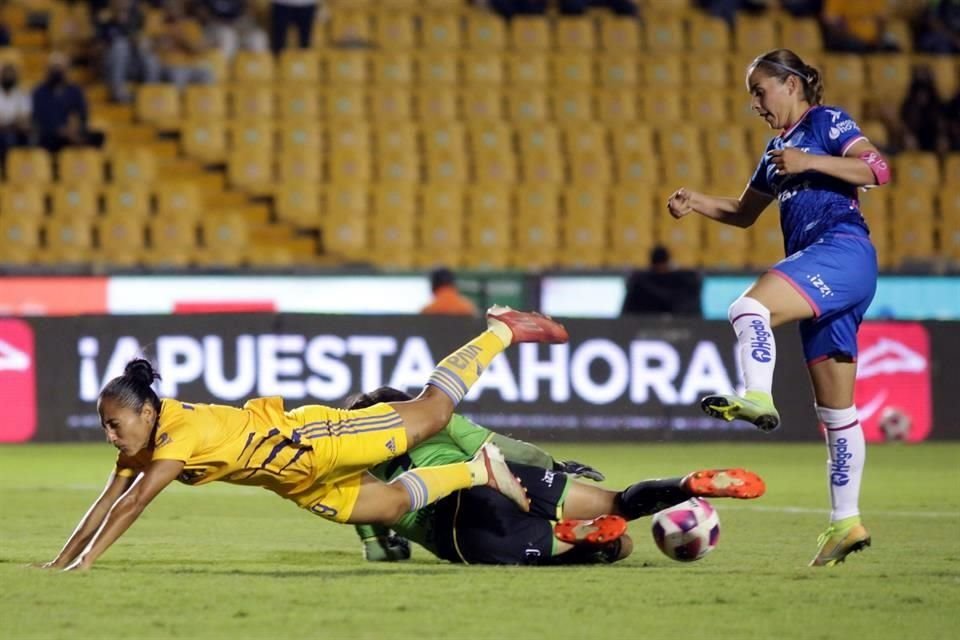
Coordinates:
(616, 380)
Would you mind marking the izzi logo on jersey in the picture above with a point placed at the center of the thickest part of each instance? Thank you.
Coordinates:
(18, 393)
(893, 381)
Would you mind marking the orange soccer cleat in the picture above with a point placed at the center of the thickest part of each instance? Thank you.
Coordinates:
(600, 530)
(725, 483)
(528, 326)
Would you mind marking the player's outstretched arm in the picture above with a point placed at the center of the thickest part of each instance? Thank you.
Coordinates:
(116, 486)
(127, 509)
(738, 212)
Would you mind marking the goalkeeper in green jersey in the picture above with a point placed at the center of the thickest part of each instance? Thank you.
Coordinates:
(568, 522)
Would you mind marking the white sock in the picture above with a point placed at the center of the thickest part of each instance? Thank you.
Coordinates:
(846, 454)
(758, 349)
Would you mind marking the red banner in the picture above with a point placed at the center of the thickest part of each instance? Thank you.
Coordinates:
(18, 389)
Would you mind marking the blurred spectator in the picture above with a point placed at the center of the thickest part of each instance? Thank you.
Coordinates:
(230, 26)
(14, 112)
(175, 42)
(857, 26)
(802, 8)
(662, 289)
(286, 13)
(119, 37)
(727, 9)
(921, 114)
(951, 119)
(60, 110)
(447, 299)
(4, 35)
(938, 29)
(510, 8)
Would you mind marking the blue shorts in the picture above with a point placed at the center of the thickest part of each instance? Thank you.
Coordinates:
(837, 275)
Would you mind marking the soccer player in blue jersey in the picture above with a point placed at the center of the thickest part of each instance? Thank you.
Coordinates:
(826, 282)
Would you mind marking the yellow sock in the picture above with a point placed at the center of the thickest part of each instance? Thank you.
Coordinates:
(429, 484)
(459, 371)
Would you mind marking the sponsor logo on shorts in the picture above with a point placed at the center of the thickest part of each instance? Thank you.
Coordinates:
(760, 344)
(840, 463)
(823, 287)
(391, 445)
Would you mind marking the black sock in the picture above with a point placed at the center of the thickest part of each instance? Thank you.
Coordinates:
(649, 496)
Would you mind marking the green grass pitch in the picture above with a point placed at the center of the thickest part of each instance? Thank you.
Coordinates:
(229, 562)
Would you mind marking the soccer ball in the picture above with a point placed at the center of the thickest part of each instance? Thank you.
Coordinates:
(895, 424)
(687, 531)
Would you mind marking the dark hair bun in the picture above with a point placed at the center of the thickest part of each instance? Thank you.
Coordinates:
(141, 371)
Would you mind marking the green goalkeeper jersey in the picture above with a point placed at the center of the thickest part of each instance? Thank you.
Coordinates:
(459, 441)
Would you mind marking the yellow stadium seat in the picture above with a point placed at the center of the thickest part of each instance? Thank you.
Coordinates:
(889, 76)
(802, 35)
(343, 223)
(571, 70)
(526, 106)
(571, 105)
(709, 35)
(725, 247)
(485, 32)
(754, 34)
(876, 132)
(913, 225)
(390, 104)
(346, 67)
(349, 25)
(541, 161)
(490, 139)
(350, 138)
(482, 70)
(79, 201)
(537, 228)
(584, 228)
(617, 71)
(22, 200)
(899, 31)
(437, 68)
(348, 104)
(707, 108)
(395, 29)
(29, 166)
(765, 240)
(392, 69)
(488, 232)
(436, 104)
(917, 169)
(574, 34)
(440, 225)
(126, 200)
(250, 172)
(159, 105)
(481, 104)
(214, 63)
(732, 168)
(638, 169)
(527, 70)
(664, 72)
(634, 139)
(684, 169)
(681, 139)
(298, 203)
(396, 139)
(875, 207)
(298, 102)
(844, 73)
(349, 167)
(615, 105)
(302, 136)
(121, 239)
(631, 229)
(682, 237)
(584, 139)
(68, 240)
(80, 165)
(253, 67)
(950, 223)
(132, 164)
(619, 34)
(758, 136)
(725, 140)
(19, 239)
(252, 137)
(296, 166)
(709, 72)
(665, 34)
(179, 199)
(944, 69)
(440, 31)
(225, 239)
(172, 235)
(661, 107)
(397, 168)
(530, 33)
(392, 226)
(252, 102)
(205, 102)
(299, 67)
(951, 169)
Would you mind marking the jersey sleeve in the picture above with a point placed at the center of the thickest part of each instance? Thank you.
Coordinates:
(759, 180)
(176, 438)
(837, 130)
(466, 434)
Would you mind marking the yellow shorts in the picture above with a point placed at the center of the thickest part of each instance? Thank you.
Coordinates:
(345, 444)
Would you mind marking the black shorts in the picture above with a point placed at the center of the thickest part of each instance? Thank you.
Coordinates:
(481, 526)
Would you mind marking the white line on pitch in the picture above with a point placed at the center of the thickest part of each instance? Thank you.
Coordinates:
(868, 513)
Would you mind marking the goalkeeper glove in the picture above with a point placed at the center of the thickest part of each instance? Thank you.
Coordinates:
(574, 468)
(388, 548)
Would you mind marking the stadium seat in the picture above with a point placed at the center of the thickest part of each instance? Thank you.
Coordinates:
(802, 35)
(481, 104)
(682, 237)
(917, 169)
(665, 34)
(436, 104)
(889, 76)
(76, 201)
(875, 207)
(298, 102)
(765, 240)
(121, 240)
(681, 139)
(571, 105)
(530, 33)
(80, 165)
(172, 240)
(132, 164)
(526, 106)
(617, 71)
(180, 199)
(660, 106)
(252, 103)
(391, 69)
(488, 232)
(539, 154)
(68, 240)
(571, 71)
(22, 200)
(615, 105)
(303, 136)
(19, 239)
(844, 73)
(346, 67)
(724, 247)
(490, 139)
(396, 139)
(482, 70)
(444, 153)
(708, 35)
(945, 74)
(159, 105)
(205, 102)
(440, 225)
(253, 136)
(949, 224)
(130, 201)
(298, 203)
(350, 26)
(707, 108)
(635, 139)
(725, 140)
(574, 34)
(664, 72)
(225, 240)
(346, 104)
(640, 169)
(390, 105)
(437, 68)
(709, 72)
(684, 169)
(392, 226)
(440, 31)
(29, 166)
(951, 169)
(527, 70)
(753, 34)
(583, 231)
(395, 29)
(299, 67)
(343, 221)
(536, 223)
(631, 230)
(297, 166)
(485, 32)
(913, 225)
(619, 34)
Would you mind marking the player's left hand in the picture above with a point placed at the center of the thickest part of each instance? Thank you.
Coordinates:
(790, 161)
(574, 468)
(389, 548)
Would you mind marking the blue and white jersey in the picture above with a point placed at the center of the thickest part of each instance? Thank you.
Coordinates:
(813, 203)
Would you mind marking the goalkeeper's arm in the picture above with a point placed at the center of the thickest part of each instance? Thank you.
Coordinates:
(526, 453)
(380, 544)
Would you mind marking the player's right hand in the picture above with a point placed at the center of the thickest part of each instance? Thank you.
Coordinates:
(679, 203)
(578, 469)
(390, 548)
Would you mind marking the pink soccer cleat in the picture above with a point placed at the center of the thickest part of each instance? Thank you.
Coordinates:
(528, 326)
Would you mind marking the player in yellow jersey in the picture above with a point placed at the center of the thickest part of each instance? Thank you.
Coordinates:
(316, 456)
